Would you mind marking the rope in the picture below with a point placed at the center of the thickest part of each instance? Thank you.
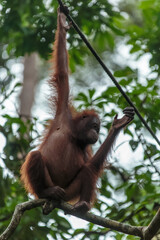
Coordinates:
(107, 70)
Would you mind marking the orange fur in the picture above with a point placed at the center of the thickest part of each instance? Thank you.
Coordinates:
(64, 167)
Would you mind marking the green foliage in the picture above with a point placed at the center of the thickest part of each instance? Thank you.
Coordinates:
(29, 27)
(144, 32)
(5, 74)
(26, 26)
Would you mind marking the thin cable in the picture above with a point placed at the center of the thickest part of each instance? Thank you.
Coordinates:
(107, 71)
(60, 4)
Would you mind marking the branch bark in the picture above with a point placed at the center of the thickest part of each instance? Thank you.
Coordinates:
(153, 227)
(145, 233)
(18, 212)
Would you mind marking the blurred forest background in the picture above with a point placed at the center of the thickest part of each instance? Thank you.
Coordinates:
(126, 34)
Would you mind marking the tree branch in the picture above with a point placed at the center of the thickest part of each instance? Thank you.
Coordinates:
(145, 233)
(104, 222)
(153, 227)
(18, 212)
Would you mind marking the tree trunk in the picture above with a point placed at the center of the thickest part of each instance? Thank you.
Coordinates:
(30, 77)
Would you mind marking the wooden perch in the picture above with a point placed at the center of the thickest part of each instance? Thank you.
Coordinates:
(153, 227)
(145, 233)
